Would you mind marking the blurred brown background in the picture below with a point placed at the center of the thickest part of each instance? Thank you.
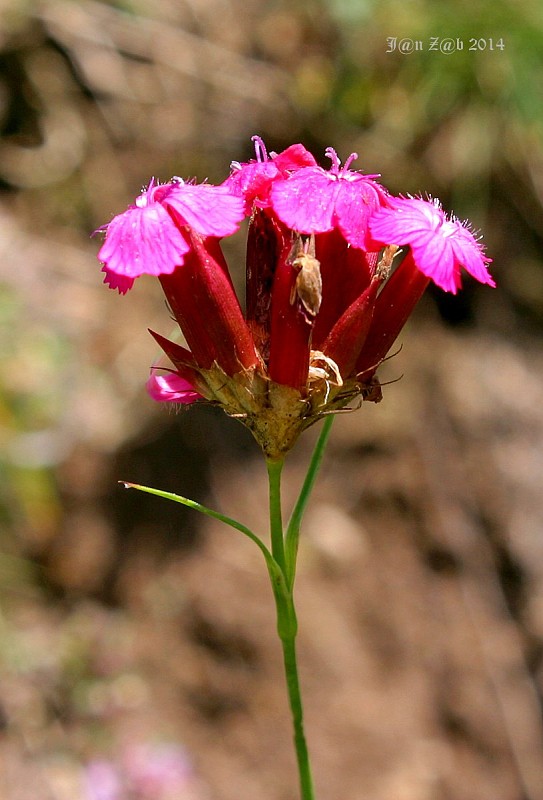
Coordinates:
(126, 623)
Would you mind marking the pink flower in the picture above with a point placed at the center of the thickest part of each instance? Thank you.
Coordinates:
(149, 236)
(325, 296)
(144, 771)
(169, 387)
(157, 772)
(253, 179)
(315, 200)
(440, 245)
(101, 781)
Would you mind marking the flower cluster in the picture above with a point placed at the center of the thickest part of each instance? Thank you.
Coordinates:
(325, 299)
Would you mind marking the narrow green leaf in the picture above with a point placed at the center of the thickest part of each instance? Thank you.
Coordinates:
(293, 527)
(276, 574)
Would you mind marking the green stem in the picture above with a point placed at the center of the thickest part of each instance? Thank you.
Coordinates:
(295, 701)
(275, 467)
(287, 629)
(293, 528)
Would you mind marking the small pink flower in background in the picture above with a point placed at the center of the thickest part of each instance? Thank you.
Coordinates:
(169, 387)
(143, 772)
(149, 237)
(157, 772)
(315, 200)
(101, 781)
(440, 245)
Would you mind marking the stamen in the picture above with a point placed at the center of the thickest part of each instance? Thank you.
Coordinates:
(260, 149)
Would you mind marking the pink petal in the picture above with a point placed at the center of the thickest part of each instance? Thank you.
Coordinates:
(252, 181)
(119, 282)
(470, 255)
(168, 387)
(294, 157)
(435, 259)
(383, 227)
(356, 201)
(305, 201)
(142, 240)
(210, 210)
(405, 220)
